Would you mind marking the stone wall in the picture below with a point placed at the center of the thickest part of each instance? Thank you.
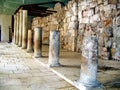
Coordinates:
(5, 22)
(97, 18)
(80, 18)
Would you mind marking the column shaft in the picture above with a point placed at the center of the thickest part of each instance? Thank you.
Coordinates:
(20, 29)
(17, 30)
(15, 24)
(37, 42)
(30, 41)
(89, 64)
(54, 48)
(24, 29)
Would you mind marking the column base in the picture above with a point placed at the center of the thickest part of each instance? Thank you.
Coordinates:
(23, 48)
(37, 56)
(19, 45)
(29, 51)
(84, 86)
(55, 65)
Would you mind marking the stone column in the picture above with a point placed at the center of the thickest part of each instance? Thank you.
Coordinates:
(37, 42)
(15, 25)
(30, 41)
(54, 48)
(89, 65)
(24, 29)
(17, 30)
(20, 29)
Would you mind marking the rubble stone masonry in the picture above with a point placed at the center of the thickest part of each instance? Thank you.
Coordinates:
(80, 18)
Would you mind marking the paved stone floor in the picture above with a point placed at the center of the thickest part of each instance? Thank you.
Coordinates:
(108, 70)
(19, 71)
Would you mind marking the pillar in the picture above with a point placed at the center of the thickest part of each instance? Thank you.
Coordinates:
(20, 29)
(54, 48)
(17, 29)
(24, 29)
(89, 65)
(10, 34)
(15, 24)
(37, 42)
(30, 41)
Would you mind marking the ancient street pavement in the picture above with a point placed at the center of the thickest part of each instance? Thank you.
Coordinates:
(19, 71)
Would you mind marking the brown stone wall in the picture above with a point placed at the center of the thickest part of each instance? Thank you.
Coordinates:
(81, 18)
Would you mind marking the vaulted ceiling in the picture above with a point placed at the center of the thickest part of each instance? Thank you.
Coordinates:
(10, 6)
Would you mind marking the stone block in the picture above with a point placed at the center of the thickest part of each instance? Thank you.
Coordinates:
(99, 1)
(106, 2)
(65, 26)
(85, 20)
(96, 9)
(118, 5)
(101, 7)
(83, 7)
(107, 22)
(79, 14)
(68, 14)
(96, 17)
(112, 1)
(84, 13)
(72, 25)
(68, 20)
(90, 12)
(93, 4)
(57, 6)
(74, 18)
(113, 50)
(113, 6)
(107, 8)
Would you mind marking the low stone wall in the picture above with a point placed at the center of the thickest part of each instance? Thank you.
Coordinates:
(79, 18)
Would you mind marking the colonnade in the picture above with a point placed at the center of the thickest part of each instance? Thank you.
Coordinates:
(25, 39)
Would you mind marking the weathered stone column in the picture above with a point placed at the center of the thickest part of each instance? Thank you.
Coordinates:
(37, 42)
(17, 30)
(15, 24)
(30, 41)
(89, 65)
(20, 29)
(24, 29)
(54, 48)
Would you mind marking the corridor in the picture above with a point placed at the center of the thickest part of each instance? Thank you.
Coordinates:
(19, 71)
